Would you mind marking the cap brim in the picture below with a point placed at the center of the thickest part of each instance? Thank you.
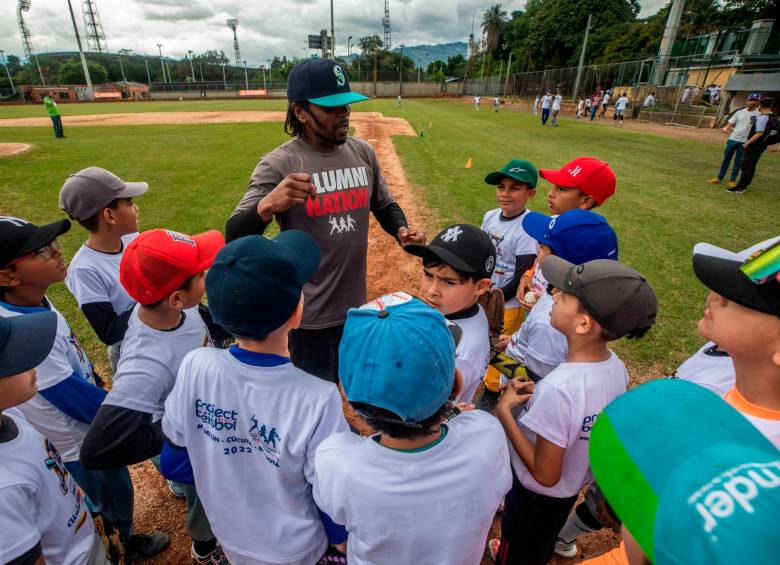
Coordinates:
(434, 253)
(306, 250)
(556, 271)
(209, 244)
(556, 177)
(29, 342)
(44, 235)
(133, 189)
(341, 99)
(535, 224)
(633, 463)
(719, 270)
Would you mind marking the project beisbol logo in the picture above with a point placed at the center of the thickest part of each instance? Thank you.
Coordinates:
(217, 418)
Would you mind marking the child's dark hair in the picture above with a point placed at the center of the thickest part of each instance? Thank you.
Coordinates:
(382, 421)
(606, 335)
(292, 125)
(186, 285)
(92, 223)
(464, 277)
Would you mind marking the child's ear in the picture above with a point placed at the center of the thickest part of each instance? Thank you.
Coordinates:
(531, 192)
(8, 277)
(587, 202)
(585, 323)
(176, 299)
(297, 316)
(457, 384)
(482, 286)
(108, 216)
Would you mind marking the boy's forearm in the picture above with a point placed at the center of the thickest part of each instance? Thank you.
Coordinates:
(524, 448)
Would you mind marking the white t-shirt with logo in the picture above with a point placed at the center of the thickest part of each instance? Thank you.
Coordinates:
(709, 367)
(40, 502)
(556, 105)
(741, 122)
(537, 344)
(93, 276)
(66, 358)
(150, 361)
(510, 240)
(546, 100)
(429, 507)
(621, 103)
(251, 433)
(473, 352)
(563, 409)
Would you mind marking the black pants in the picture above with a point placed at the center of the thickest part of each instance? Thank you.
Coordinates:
(747, 167)
(530, 526)
(317, 351)
(57, 123)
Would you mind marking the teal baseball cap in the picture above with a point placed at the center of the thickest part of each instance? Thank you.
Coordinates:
(518, 169)
(689, 476)
(397, 353)
(323, 82)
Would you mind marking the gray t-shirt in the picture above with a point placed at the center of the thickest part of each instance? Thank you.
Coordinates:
(349, 185)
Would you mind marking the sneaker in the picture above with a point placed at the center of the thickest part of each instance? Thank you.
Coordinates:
(216, 557)
(176, 489)
(736, 190)
(488, 400)
(714, 180)
(731, 184)
(493, 546)
(144, 546)
(565, 549)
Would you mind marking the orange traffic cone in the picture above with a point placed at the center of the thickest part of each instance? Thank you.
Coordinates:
(469, 164)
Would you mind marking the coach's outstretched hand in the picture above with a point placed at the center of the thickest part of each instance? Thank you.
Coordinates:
(294, 190)
(411, 235)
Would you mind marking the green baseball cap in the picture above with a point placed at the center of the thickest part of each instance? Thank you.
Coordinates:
(689, 476)
(517, 169)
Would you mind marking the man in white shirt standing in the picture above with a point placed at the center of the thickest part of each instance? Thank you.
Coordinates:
(620, 107)
(649, 100)
(546, 102)
(738, 127)
(556, 107)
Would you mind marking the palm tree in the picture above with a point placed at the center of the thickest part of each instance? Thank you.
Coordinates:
(492, 24)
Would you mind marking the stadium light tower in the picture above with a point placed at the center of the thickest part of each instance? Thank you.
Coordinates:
(232, 23)
(386, 26)
(2, 57)
(24, 31)
(81, 51)
(96, 39)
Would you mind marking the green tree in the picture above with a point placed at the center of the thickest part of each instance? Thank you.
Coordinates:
(493, 21)
(72, 73)
(434, 66)
(369, 45)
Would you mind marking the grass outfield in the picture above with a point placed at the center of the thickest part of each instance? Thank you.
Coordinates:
(197, 173)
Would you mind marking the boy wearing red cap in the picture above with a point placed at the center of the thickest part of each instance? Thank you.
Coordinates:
(163, 271)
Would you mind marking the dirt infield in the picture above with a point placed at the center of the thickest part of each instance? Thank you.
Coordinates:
(8, 149)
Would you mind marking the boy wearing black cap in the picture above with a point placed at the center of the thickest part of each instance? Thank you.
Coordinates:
(43, 518)
(103, 204)
(595, 303)
(418, 491)
(246, 420)
(457, 266)
(68, 397)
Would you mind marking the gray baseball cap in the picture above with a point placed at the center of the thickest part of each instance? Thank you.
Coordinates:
(618, 297)
(90, 190)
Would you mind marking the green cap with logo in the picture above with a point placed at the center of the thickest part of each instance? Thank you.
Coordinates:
(518, 169)
(688, 475)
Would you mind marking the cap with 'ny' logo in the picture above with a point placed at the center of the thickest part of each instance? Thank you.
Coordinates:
(464, 247)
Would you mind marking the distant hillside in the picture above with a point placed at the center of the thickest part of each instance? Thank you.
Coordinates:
(424, 54)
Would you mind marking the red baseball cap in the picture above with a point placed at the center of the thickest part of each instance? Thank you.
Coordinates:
(158, 262)
(592, 176)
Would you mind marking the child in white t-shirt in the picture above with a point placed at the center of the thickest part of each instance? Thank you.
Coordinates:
(243, 424)
(620, 107)
(594, 303)
(457, 266)
(419, 491)
(515, 250)
(103, 204)
(164, 272)
(43, 516)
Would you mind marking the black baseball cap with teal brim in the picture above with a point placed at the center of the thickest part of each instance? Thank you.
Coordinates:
(322, 82)
(517, 169)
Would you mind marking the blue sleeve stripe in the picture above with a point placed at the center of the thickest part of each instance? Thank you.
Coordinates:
(76, 397)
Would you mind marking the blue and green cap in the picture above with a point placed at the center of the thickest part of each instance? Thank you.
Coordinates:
(689, 476)
(321, 81)
(518, 169)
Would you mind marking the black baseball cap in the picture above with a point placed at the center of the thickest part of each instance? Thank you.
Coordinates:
(19, 237)
(321, 81)
(25, 341)
(617, 296)
(720, 270)
(464, 247)
(255, 283)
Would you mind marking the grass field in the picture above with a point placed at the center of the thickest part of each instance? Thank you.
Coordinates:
(197, 173)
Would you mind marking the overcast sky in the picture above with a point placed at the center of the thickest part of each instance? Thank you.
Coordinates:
(267, 27)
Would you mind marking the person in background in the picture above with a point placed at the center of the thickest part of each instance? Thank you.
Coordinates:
(54, 114)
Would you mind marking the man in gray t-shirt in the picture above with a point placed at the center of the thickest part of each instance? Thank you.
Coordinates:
(760, 128)
(324, 183)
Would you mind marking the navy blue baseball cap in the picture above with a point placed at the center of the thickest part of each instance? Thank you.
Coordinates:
(754, 96)
(397, 353)
(321, 81)
(25, 341)
(577, 236)
(255, 283)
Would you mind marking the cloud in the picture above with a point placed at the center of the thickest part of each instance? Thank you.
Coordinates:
(181, 13)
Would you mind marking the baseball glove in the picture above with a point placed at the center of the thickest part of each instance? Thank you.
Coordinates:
(492, 302)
